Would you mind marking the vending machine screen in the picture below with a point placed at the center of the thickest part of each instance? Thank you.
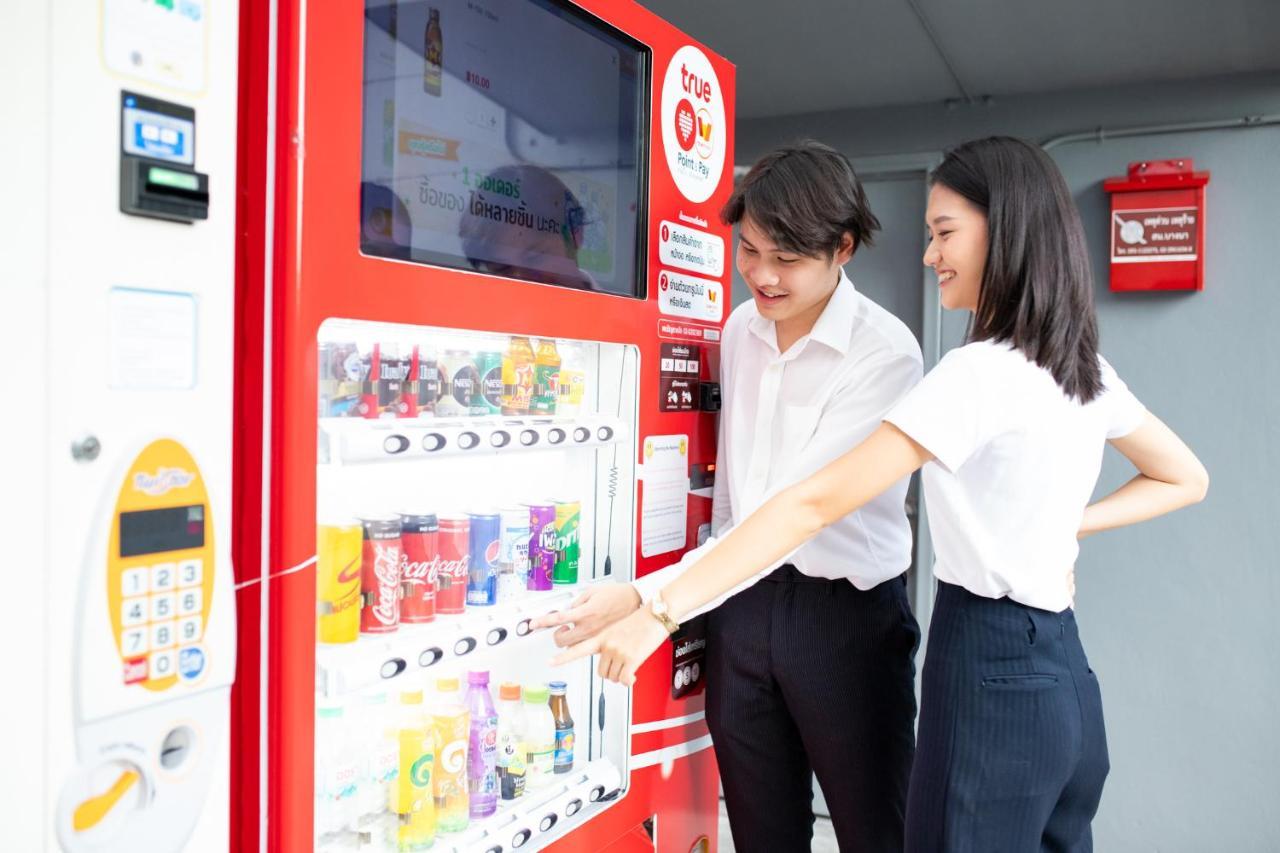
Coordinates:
(154, 530)
(504, 137)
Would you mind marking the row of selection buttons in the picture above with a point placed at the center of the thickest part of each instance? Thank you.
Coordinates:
(161, 577)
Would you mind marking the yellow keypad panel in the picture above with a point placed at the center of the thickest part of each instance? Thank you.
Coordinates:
(161, 619)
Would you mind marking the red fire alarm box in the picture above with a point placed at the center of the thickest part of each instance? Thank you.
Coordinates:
(1157, 226)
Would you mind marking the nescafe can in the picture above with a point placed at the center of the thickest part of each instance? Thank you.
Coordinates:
(380, 575)
(453, 541)
(486, 543)
(542, 545)
(419, 559)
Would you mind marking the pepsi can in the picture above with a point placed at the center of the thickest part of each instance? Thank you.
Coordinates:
(485, 550)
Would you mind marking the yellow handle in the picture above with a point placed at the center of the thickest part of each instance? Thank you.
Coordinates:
(89, 813)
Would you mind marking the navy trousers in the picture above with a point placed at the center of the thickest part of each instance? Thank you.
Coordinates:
(812, 676)
(1012, 752)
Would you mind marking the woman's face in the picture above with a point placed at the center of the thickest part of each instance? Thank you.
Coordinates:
(957, 250)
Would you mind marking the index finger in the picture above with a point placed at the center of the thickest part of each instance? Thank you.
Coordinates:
(586, 648)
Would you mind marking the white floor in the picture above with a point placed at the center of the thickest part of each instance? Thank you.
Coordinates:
(824, 837)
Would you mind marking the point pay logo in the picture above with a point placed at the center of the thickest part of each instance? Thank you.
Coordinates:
(693, 124)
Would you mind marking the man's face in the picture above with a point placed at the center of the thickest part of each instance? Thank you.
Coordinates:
(786, 285)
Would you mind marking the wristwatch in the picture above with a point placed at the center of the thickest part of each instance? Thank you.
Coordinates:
(658, 608)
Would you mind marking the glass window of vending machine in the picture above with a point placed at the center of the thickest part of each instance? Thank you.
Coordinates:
(466, 482)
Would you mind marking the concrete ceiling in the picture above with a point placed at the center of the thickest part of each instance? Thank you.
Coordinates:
(815, 55)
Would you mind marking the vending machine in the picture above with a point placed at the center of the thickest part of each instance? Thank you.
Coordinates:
(482, 287)
(117, 239)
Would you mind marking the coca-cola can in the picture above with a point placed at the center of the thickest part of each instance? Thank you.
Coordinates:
(419, 558)
(380, 575)
(453, 540)
(542, 545)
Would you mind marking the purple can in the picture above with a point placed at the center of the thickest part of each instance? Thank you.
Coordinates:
(485, 548)
(542, 545)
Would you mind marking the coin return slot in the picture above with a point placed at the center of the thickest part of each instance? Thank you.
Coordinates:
(392, 668)
(497, 635)
(522, 629)
(556, 436)
(468, 440)
(573, 808)
(395, 444)
(548, 822)
(581, 434)
(604, 433)
(176, 747)
(432, 441)
(520, 838)
(430, 656)
(464, 646)
(500, 438)
(528, 437)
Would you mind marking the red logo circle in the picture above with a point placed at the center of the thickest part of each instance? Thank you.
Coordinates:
(662, 282)
(666, 233)
(686, 124)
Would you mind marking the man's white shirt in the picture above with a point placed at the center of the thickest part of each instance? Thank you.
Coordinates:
(785, 415)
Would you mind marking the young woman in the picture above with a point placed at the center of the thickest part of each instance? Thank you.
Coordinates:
(1010, 430)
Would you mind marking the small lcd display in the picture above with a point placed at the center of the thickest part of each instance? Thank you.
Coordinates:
(152, 531)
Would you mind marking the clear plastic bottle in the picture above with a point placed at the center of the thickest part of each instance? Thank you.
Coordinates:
(512, 757)
(452, 729)
(540, 736)
(337, 781)
(380, 751)
(482, 771)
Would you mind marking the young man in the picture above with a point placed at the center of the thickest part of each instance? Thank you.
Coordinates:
(810, 665)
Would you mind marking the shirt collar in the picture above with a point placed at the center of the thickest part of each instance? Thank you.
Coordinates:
(832, 327)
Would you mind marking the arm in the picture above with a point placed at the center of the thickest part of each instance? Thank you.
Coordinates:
(1170, 477)
(769, 535)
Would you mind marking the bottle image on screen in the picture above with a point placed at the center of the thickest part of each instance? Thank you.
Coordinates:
(433, 55)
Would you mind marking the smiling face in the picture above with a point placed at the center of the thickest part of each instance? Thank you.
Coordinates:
(957, 249)
(788, 288)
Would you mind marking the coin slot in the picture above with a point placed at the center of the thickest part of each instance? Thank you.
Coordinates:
(176, 747)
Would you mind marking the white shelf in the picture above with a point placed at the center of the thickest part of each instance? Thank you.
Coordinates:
(347, 441)
(382, 658)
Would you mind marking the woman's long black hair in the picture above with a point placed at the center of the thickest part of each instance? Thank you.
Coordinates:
(1037, 289)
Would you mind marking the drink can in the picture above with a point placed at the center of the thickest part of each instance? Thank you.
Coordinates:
(407, 405)
(380, 575)
(513, 554)
(429, 381)
(453, 540)
(489, 399)
(338, 555)
(568, 519)
(419, 558)
(542, 545)
(370, 380)
(482, 587)
(462, 381)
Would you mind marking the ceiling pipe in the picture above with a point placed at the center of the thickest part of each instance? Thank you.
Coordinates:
(1101, 134)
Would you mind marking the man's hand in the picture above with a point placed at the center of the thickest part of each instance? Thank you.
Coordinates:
(590, 613)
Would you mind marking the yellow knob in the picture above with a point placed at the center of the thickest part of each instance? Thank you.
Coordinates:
(91, 812)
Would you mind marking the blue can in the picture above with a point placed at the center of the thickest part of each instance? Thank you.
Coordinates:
(485, 550)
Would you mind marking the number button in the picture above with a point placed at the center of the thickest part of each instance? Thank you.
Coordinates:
(133, 642)
(189, 630)
(133, 611)
(190, 573)
(163, 576)
(189, 602)
(134, 581)
(163, 664)
(163, 635)
(163, 607)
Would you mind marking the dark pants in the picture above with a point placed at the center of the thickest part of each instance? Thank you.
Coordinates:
(813, 676)
(1012, 752)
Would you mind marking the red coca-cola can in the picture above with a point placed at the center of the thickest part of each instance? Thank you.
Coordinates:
(419, 557)
(453, 563)
(380, 575)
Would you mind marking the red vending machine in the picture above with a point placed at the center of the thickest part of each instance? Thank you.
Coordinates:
(482, 283)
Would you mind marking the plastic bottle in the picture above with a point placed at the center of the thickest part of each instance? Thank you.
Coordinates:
(511, 744)
(540, 736)
(573, 381)
(563, 761)
(337, 780)
(546, 378)
(451, 726)
(411, 796)
(380, 752)
(482, 772)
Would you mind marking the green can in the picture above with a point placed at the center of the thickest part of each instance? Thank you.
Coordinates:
(487, 399)
(568, 519)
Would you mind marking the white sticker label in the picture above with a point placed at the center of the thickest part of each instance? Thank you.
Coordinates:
(151, 340)
(664, 506)
(690, 249)
(161, 42)
(689, 296)
(693, 130)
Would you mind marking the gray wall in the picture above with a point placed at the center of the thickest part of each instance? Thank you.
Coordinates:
(1179, 615)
